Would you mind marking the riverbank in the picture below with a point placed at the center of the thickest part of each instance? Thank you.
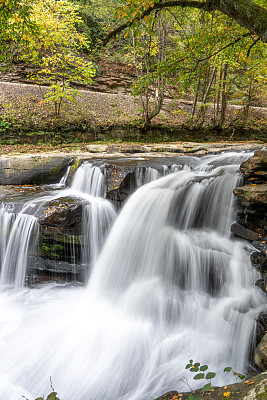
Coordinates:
(27, 117)
(103, 148)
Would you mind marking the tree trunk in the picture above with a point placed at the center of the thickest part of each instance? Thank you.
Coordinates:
(224, 96)
(195, 98)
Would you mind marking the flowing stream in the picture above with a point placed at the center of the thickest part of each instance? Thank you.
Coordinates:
(169, 285)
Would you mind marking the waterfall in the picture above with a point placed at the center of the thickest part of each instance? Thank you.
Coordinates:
(19, 231)
(18, 239)
(15, 259)
(169, 285)
(98, 213)
(89, 179)
(6, 221)
(64, 178)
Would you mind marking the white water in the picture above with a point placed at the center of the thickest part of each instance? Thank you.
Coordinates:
(98, 214)
(169, 285)
(20, 231)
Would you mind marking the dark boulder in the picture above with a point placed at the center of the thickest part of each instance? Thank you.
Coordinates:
(243, 232)
(62, 214)
(59, 267)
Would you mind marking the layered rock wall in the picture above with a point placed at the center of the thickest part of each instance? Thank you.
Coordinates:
(251, 225)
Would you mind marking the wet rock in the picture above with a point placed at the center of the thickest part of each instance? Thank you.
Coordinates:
(35, 169)
(261, 246)
(261, 283)
(251, 389)
(129, 149)
(63, 214)
(259, 260)
(261, 326)
(256, 163)
(59, 267)
(252, 193)
(243, 232)
(261, 354)
(251, 221)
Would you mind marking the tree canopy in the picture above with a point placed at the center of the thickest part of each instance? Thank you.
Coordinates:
(247, 13)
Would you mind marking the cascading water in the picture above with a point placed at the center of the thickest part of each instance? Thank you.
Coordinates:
(18, 239)
(169, 285)
(98, 214)
(20, 230)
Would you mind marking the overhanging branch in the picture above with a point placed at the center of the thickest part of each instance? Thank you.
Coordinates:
(157, 6)
(245, 12)
(224, 47)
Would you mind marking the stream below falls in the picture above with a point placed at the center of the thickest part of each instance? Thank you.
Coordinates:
(166, 283)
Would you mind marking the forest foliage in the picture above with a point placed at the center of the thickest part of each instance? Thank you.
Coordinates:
(195, 52)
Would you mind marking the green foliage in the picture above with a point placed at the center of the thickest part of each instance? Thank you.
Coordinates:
(51, 396)
(15, 19)
(53, 46)
(196, 367)
(236, 374)
(60, 70)
(197, 48)
(51, 249)
(4, 124)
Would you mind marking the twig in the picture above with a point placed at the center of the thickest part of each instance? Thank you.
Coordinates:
(51, 384)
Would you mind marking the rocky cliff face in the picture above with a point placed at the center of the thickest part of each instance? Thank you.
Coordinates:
(251, 221)
(251, 225)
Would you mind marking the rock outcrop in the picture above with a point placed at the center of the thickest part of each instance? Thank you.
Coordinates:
(251, 225)
(35, 169)
(251, 221)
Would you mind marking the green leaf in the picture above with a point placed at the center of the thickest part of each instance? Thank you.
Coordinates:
(203, 368)
(191, 397)
(196, 365)
(199, 376)
(210, 375)
(52, 396)
(241, 376)
(207, 387)
(194, 369)
(227, 369)
(188, 366)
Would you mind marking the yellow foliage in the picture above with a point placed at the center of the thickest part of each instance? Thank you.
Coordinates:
(55, 29)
